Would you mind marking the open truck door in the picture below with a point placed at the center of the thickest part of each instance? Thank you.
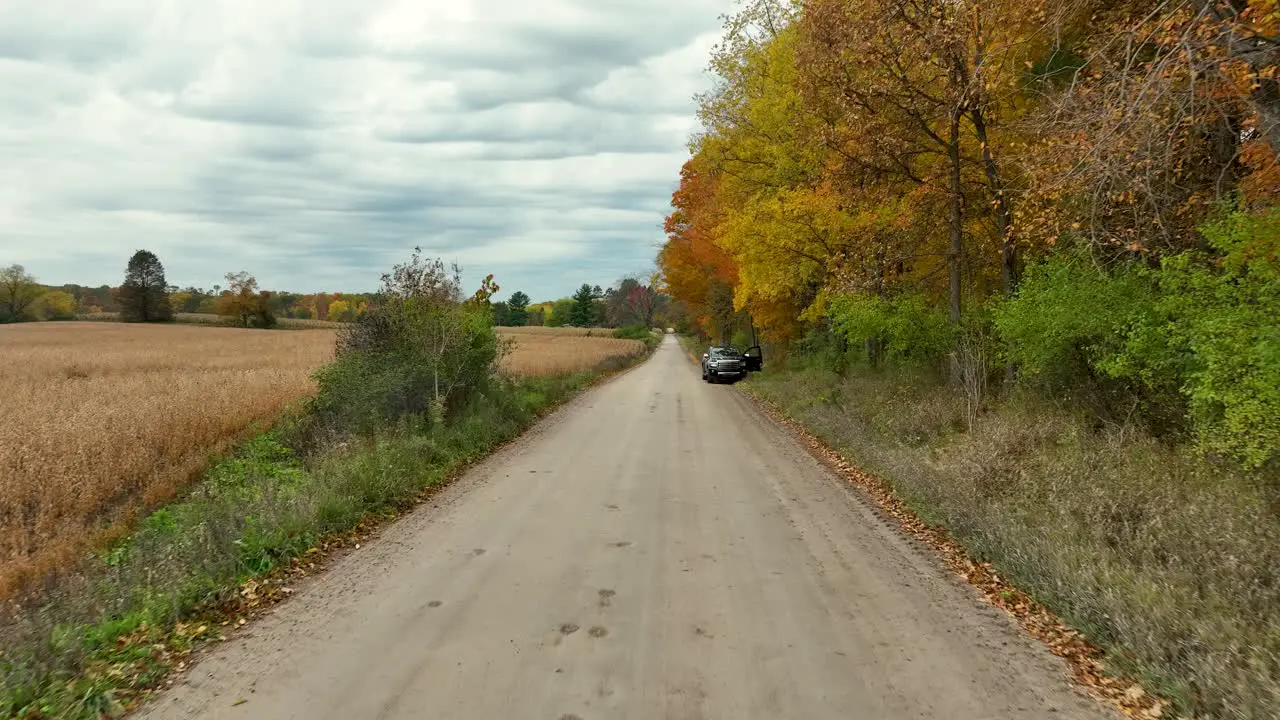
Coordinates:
(754, 357)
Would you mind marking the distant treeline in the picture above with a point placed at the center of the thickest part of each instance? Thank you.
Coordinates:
(144, 296)
(629, 303)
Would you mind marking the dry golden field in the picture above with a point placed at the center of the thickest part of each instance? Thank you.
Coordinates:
(549, 351)
(211, 319)
(99, 420)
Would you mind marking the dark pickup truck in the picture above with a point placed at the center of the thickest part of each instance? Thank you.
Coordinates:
(722, 362)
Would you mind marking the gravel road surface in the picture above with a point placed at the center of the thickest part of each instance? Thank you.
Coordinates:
(657, 549)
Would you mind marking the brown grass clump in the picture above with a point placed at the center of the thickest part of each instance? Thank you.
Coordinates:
(551, 351)
(100, 420)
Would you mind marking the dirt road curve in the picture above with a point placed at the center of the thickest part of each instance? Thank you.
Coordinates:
(657, 549)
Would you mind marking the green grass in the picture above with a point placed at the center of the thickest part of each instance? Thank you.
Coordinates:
(109, 632)
(1169, 562)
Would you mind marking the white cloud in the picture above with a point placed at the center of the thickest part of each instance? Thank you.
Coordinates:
(314, 143)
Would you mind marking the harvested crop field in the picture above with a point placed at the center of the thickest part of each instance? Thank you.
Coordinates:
(282, 323)
(102, 420)
(549, 351)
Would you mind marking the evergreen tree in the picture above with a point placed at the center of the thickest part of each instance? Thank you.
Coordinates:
(144, 295)
(583, 313)
(501, 314)
(518, 309)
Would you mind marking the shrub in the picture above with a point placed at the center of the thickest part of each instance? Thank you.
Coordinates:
(904, 328)
(1196, 341)
(632, 332)
(420, 350)
(1215, 334)
(1070, 317)
(817, 348)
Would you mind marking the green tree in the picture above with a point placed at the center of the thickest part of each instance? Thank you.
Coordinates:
(501, 314)
(285, 303)
(1214, 334)
(422, 350)
(518, 309)
(561, 313)
(144, 295)
(583, 313)
(18, 289)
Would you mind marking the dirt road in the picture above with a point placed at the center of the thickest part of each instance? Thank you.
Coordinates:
(658, 549)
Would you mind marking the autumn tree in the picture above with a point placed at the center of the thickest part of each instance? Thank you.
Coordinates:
(144, 294)
(771, 214)
(692, 261)
(180, 300)
(54, 305)
(18, 289)
(911, 100)
(341, 311)
(244, 304)
(618, 311)
(886, 111)
(863, 148)
(1164, 111)
(319, 305)
(485, 293)
(643, 303)
(286, 303)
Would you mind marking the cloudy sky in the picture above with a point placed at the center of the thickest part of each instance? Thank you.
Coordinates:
(314, 143)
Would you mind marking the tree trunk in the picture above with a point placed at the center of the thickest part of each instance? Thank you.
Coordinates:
(957, 217)
(1000, 203)
(874, 343)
